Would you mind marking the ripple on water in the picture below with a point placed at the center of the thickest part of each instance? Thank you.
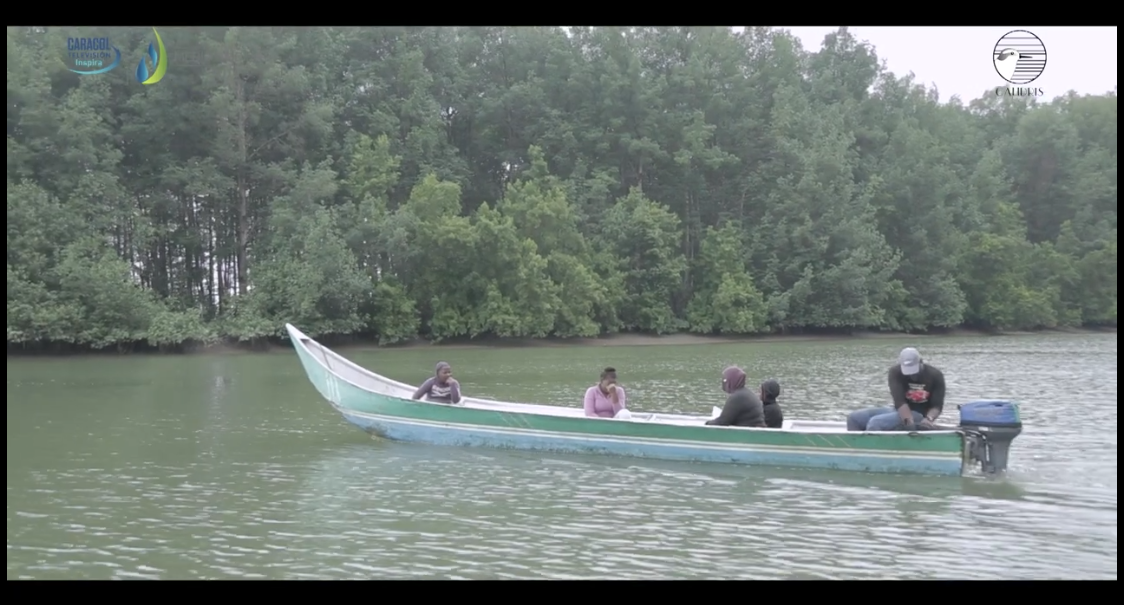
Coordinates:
(459, 516)
(340, 507)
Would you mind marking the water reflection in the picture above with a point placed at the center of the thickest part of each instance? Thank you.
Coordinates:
(438, 509)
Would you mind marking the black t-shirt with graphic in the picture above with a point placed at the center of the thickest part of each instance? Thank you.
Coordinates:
(922, 391)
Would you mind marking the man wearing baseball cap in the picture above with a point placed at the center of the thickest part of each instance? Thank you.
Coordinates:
(917, 390)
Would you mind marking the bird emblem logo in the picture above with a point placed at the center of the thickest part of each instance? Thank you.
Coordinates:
(1019, 57)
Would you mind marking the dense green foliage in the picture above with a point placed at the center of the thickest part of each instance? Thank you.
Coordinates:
(527, 182)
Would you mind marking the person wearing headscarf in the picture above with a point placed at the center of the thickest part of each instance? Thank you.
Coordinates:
(605, 399)
(743, 406)
(774, 417)
(441, 387)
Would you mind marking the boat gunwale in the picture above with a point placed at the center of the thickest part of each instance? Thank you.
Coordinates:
(299, 339)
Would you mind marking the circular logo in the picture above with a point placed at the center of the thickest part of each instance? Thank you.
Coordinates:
(1019, 57)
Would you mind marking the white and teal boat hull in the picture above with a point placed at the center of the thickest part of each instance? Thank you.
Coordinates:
(384, 407)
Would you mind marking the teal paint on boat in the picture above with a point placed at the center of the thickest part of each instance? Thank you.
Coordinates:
(384, 407)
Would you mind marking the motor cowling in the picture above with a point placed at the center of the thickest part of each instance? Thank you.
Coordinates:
(989, 427)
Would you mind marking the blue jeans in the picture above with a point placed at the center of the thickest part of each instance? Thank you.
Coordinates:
(878, 419)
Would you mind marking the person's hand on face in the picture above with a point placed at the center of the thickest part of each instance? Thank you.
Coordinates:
(610, 388)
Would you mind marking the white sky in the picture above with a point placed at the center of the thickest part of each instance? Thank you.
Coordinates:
(958, 59)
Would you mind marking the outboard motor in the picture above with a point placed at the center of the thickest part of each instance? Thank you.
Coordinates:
(989, 427)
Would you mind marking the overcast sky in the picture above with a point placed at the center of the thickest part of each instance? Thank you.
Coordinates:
(958, 59)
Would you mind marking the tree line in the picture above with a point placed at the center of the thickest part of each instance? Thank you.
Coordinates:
(537, 181)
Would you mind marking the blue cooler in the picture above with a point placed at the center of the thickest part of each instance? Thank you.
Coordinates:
(989, 428)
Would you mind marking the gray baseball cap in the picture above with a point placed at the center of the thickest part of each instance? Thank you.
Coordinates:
(910, 361)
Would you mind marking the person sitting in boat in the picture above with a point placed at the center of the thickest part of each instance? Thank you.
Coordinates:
(441, 387)
(774, 417)
(917, 391)
(605, 399)
(743, 406)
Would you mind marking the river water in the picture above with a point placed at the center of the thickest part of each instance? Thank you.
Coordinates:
(231, 466)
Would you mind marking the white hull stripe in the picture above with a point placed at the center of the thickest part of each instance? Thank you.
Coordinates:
(837, 452)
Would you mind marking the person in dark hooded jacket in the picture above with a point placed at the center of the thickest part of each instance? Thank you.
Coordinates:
(770, 390)
(743, 406)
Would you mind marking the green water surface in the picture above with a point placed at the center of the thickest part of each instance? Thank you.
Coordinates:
(231, 466)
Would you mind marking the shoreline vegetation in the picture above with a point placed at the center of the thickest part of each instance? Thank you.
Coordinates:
(351, 343)
(537, 186)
